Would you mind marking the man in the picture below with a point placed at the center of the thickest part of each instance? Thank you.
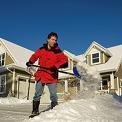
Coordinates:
(50, 58)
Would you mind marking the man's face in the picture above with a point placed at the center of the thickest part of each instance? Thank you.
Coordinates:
(52, 41)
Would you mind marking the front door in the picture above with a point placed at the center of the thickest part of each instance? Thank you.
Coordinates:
(105, 83)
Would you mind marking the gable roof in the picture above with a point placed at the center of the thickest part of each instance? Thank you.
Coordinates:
(105, 50)
(71, 55)
(19, 54)
(113, 63)
(80, 57)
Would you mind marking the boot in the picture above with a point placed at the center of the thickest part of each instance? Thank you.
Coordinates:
(35, 110)
(53, 104)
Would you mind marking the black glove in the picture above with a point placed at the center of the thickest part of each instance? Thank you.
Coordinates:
(28, 64)
(53, 69)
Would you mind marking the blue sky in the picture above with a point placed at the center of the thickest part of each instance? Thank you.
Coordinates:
(77, 22)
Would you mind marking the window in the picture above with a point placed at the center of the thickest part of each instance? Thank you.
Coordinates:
(2, 59)
(2, 84)
(95, 58)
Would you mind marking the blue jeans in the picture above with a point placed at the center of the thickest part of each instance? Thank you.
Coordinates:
(39, 88)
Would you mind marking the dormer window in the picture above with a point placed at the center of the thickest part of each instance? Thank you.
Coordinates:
(2, 59)
(95, 58)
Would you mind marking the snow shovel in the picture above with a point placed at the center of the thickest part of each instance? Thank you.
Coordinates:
(75, 72)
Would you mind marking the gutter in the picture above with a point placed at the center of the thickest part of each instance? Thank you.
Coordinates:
(105, 71)
(16, 67)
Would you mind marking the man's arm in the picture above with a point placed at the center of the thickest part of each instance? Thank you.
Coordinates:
(33, 58)
(62, 59)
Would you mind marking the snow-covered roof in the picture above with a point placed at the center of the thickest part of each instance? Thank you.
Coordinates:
(19, 54)
(107, 52)
(80, 57)
(113, 63)
(69, 54)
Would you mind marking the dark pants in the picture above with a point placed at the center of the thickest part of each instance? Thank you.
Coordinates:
(39, 88)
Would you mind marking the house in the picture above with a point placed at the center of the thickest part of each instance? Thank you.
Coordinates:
(108, 62)
(15, 80)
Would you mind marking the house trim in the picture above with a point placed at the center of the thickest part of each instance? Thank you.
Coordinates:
(106, 51)
(7, 50)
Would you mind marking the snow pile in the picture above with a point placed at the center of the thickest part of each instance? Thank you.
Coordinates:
(88, 73)
(13, 100)
(98, 109)
(90, 80)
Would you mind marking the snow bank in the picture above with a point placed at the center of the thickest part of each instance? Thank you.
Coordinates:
(13, 100)
(98, 109)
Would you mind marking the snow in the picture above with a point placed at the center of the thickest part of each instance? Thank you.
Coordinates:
(13, 101)
(100, 108)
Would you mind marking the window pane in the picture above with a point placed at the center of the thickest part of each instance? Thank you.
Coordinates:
(2, 84)
(95, 60)
(2, 80)
(2, 62)
(96, 55)
(3, 56)
(0, 89)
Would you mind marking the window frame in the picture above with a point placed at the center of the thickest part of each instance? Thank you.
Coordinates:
(95, 58)
(1, 92)
(2, 59)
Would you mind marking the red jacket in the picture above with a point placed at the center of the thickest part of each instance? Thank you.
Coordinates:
(48, 59)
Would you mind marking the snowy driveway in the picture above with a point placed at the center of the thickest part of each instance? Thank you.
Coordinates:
(15, 113)
(101, 108)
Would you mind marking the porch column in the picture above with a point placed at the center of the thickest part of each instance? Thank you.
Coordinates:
(118, 87)
(109, 86)
(81, 85)
(101, 86)
(66, 86)
(17, 79)
(13, 83)
(112, 81)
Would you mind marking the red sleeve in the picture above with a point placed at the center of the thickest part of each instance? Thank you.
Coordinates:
(62, 59)
(35, 56)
